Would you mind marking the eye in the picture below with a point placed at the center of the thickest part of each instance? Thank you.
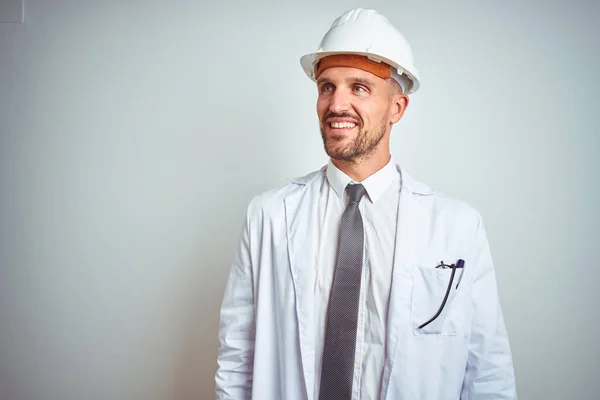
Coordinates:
(327, 88)
(360, 89)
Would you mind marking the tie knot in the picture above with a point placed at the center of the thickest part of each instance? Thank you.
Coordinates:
(356, 192)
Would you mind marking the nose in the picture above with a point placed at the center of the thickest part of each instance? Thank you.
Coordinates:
(340, 102)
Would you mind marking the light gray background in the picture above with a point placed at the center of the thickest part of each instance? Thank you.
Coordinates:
(134, 133)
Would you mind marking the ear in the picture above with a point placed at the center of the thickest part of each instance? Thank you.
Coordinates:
(398, 105)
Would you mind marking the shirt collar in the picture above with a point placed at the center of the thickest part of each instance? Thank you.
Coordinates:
(376, 184)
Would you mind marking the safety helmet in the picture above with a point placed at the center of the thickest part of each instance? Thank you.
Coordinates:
(370, 34)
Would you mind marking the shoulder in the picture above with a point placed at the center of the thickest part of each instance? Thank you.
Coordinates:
(275, 197)
(440, 204)
(455, 209)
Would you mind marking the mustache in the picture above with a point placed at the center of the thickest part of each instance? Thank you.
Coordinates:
(330, 115)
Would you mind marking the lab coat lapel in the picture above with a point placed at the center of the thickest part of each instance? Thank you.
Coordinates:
(410, 241)
(301, 219)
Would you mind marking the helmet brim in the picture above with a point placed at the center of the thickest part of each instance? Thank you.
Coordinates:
(309, 61)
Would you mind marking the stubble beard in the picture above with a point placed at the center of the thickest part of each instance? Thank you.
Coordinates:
(361, 147)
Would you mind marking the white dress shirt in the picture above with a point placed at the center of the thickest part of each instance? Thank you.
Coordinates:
(379, 210)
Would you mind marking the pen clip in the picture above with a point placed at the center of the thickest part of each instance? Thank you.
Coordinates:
(460, 264)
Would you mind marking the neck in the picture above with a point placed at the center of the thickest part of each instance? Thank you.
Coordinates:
(359, 170)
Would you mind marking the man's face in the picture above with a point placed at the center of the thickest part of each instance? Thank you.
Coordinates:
(356, 110)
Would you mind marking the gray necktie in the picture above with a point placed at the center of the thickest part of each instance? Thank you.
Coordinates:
(342, 315)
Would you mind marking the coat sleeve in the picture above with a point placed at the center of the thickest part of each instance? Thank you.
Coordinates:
(489, 372)
(237, 326)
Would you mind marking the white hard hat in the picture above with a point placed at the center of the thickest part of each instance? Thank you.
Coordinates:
(370, 34)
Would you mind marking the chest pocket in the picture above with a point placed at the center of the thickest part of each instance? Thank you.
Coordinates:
(429, 288)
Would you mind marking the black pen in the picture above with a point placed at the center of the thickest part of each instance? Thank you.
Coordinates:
(460, 264)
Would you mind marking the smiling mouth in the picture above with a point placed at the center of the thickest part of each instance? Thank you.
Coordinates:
(342, 125)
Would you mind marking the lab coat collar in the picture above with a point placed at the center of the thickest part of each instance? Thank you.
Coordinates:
(375, 185)
(408, 182)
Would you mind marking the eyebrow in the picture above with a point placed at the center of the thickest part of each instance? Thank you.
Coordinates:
(363, 81)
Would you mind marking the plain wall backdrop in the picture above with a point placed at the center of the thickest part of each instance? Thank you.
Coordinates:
(134, 133)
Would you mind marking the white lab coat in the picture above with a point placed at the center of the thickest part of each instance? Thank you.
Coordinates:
(267, 323)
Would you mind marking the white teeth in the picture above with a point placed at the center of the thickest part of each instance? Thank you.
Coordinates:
(343, 124)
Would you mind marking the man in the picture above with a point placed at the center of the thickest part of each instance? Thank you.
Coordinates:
(357, 281)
